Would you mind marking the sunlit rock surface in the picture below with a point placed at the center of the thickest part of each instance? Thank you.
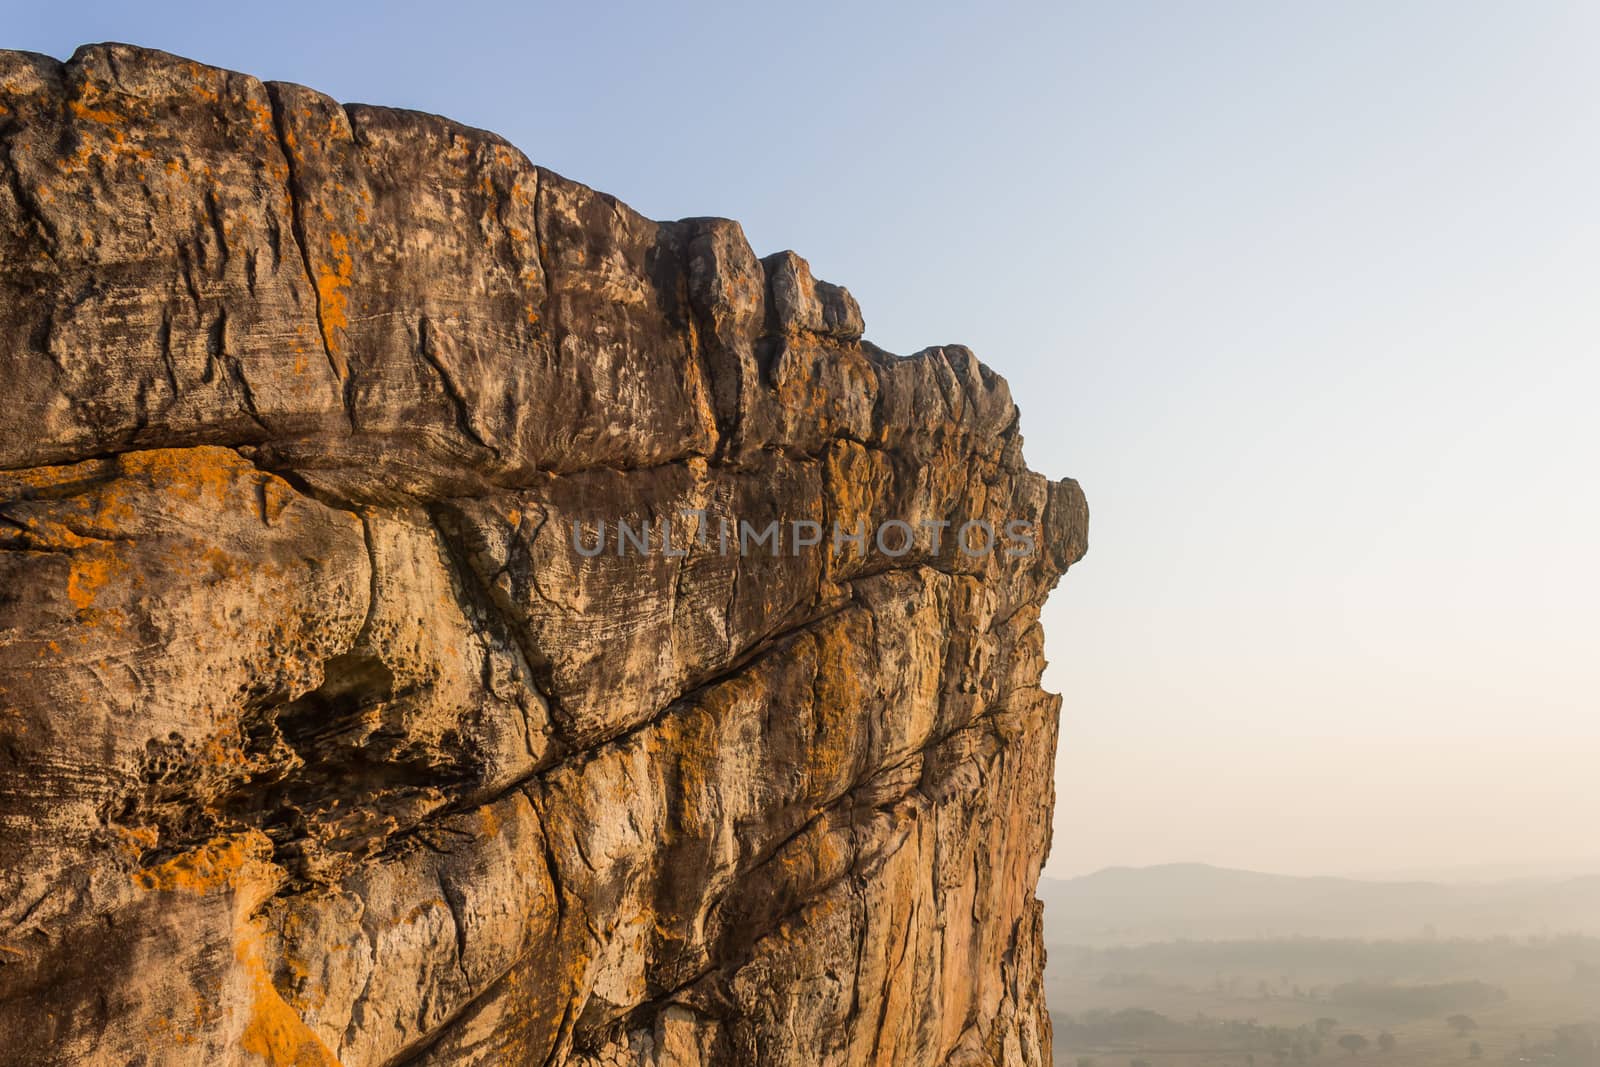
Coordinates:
(320, 743)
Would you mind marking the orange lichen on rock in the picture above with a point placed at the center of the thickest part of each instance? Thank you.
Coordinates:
(106, 139)
(216, 865)
(274, 1031)
(90, 572)
(333, 278)
(201, 89)
(240, 865)
(121, 524)
(205, 475)
(100, 115)
(260, 116)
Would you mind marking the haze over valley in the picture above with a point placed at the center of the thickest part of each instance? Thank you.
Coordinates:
(1187, 965)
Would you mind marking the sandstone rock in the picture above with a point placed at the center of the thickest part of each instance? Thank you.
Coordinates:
(325, 739)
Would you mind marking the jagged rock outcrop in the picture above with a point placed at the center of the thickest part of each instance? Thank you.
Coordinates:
(322, 738)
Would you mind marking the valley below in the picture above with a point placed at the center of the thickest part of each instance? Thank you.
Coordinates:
(1141, 977)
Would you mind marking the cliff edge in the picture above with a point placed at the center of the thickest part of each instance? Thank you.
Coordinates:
(379, 683)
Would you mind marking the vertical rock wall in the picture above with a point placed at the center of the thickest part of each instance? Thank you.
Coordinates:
(320, 742)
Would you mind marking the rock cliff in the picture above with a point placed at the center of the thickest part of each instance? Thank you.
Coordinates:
(349, 712)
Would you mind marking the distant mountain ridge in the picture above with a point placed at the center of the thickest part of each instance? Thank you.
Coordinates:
(1199, 901)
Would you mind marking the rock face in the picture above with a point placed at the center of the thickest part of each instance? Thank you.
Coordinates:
(324, 740)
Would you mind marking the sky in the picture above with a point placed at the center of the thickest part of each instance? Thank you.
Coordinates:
(1304, 295)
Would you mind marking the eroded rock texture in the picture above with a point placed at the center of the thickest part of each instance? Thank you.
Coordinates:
(319, 743)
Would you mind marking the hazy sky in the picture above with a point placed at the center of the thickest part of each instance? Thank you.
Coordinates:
(1304, 294)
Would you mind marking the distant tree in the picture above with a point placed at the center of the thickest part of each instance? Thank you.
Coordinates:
(1085, 1061)
(1316, 1046)
(1325, 1026)
(1475, 1050)
(1354, 1043)
(1386, 1042)
(1461, 1024)
(1138, 1063)
(1281, 1055)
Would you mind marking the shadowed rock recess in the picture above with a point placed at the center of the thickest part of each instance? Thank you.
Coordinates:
(320, 743)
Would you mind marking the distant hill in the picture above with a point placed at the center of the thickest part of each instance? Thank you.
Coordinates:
(1129, 905)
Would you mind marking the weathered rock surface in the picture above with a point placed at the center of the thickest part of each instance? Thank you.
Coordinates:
(321, 742)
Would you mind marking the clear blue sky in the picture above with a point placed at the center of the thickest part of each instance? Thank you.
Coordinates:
(1305, 295)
